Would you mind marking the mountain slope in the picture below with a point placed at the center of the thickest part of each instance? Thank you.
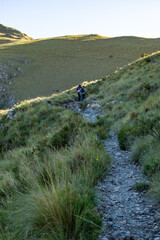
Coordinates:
(131, 99)
(8, 35)
(52, 157)
(60, 63)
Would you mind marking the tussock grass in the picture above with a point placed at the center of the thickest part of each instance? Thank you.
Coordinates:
(141, 186)
(155, 187)
(131, 100)
(51, 159)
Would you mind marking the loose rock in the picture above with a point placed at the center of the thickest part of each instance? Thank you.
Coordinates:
(127, 214)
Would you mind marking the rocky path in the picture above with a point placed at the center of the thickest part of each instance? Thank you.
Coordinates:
(90, 113)
(127, 214)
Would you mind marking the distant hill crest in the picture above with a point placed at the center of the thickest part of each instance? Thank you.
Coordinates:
(8, 35)
(84, 37)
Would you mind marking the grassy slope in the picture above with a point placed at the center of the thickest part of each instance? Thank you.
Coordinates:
(131, 98)
(60, 63)
(58, 151)
(11, 35)
(50, 162)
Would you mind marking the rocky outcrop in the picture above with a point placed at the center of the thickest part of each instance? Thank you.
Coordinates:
(8, 74)
(7, 100)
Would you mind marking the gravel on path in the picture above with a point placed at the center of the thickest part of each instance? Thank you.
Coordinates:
(127, 214)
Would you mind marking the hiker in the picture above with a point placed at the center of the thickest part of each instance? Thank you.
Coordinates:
(78, 91)
(82, 93)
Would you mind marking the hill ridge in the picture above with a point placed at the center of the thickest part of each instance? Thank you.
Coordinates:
(57, 64)
(8, 34)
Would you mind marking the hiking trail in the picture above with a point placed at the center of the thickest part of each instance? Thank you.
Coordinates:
(127, 214)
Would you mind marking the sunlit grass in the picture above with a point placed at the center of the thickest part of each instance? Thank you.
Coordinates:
(57, 64)
(131, 100)
(90, 37)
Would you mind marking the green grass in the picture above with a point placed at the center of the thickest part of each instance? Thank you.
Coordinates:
(51, 159)
(131, 100)
(60, 63)
(11, 35)
(142, 186)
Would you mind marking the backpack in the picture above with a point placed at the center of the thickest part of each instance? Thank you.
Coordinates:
(79, 89)
(82, 90)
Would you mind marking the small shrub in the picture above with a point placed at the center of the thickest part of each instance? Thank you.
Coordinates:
(148, 59)
(144, 55)
(152, 166)
(58, 139)
(45, 176)
(125, 136)
(133, 115)
(46, 209)
(139, 148)
(109, 107)
(101, 133)
(148, 124)
(62, 98)
(103, 122)
(92, 124)
(155, 187)
(142, 186)
(100, 121)
(93, 89)
(7, 183)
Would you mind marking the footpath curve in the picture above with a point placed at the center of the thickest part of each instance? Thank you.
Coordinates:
(127, 214)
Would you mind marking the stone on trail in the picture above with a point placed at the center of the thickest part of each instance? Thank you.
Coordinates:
(127, 214)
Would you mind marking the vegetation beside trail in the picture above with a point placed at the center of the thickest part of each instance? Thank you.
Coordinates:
(60, 63)
(51, 159)
(131, 99)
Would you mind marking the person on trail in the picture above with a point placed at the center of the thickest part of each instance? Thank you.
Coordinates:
(78, 91)
(82, 93)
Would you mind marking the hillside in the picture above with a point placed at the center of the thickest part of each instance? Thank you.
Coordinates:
(52, 157)
(53, 65)
(10, 35)
(131, 99)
